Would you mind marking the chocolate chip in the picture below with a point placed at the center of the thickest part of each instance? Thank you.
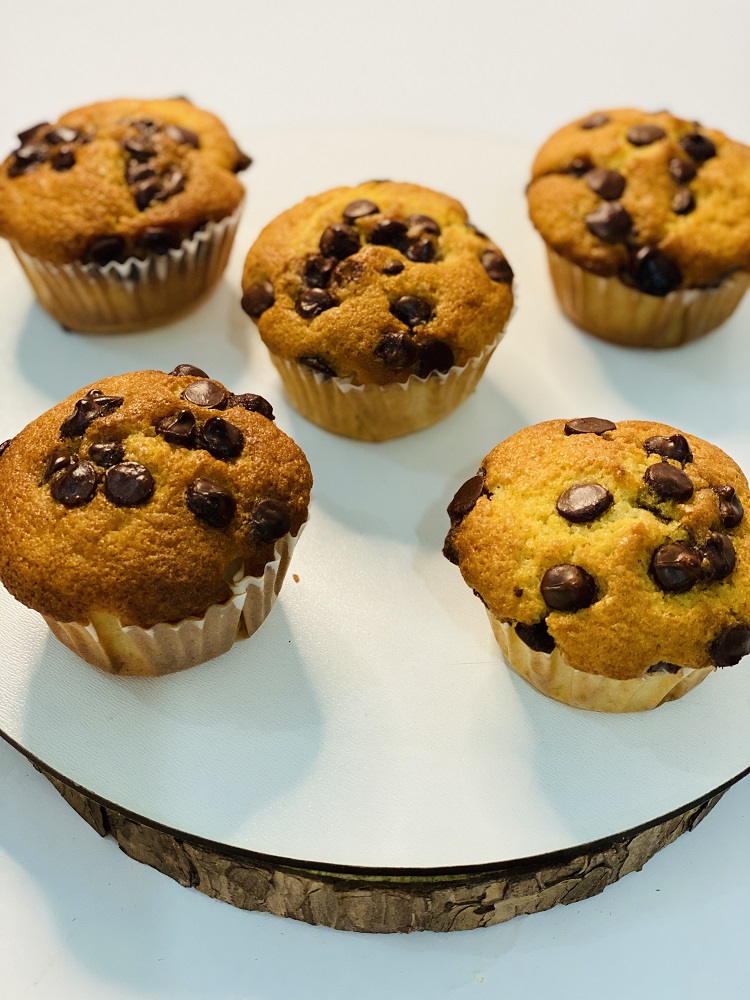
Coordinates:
(449, 549)
(412, 310)
(29, 133)
(318, 269)
(608, 184)
(589, 425)
(210, 503)
(681, 171)
(730, 645)
(434, 356)
(206, 393)
(136, 172)
(683, 202)
(221, 439)
(654, 273)
(676, 567)
(595, 121)
(93, 405)
(584, 502)
(58, 461)
(662, 667)
(258, 298)
(389, 233)
(465, 498)
(25, 158)
(172, 185)
(359, 208)
(397, 350)
(183, 136)
(698, 147)
(317, 364)
(178, 428)
(567, 588)
(393, 267)
(314, 301)
(75, 486)
(422, 250)
(668, 482)
(107, 453)
(536, 636)
(159, 240)
(731, 510)
(270, 520)
(423, 223)
(139, 149)
(242, 162)
(188, 370)
(255, 404)
(497, 267)
(719, 555)
(579, 166)
(347, 270)
(146, 192)
(128, 484)
(4, 445)
(63, 160)
(609, 222)
(675, 446)
(644, 135)
(146, 126)
(104, 249)
(339, 241)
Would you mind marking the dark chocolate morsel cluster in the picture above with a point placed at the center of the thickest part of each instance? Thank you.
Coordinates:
(44, 143)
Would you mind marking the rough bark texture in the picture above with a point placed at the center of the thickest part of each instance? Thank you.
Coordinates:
(382, 904)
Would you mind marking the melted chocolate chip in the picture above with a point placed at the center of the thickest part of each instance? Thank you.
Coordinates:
(675, 446)
(676, 567)
(222, 439)
(411, 310)
(449, 550)
(107, 453)
(136, 172)
(359, 209)
(93, 405)
(681, 171)
(104, 249)
(668, 482)
(397, 350)
(536, 636)
(188, 370)
(567, 588)
(318, 269)
(654, 273)
(465, 499)
(719, 555)
(389, 233)
(393, 267)
(128, 484)
(422, 250)
(178, 428)
(29, 133)
(58, 461)
(25, 158)
(698, 147)
(608, 184)
(595, 121)
(434, 356)
(183, 136)
(314, 301)
(422, 223)
(589, 425)
(609, 222)
(255, 404)
(317, 364)
(644, 135)
(4, 445)
(662, 667)
(339, 240)
(146, 192)
(62, 134)
(63, 160)
(584, 502)
(210, 503)
(139, 149)
(730, 645)
(206, 393)
(497, 267)
(683, 202)
(258, 298)
(270, 520)
(172, 185)
(579, 166)
(159, 239)
(242, 162)
(731, 510)
(75, 486)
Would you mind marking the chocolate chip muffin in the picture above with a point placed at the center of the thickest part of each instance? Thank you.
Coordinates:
(613, 559)
(122, 213)
(380, 305)
(150, 518)
(646, 219)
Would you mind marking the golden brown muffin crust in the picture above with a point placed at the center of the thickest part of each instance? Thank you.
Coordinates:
(137, 165)
(356, 335)
(694, 211)
(514, 534)
(158, 561)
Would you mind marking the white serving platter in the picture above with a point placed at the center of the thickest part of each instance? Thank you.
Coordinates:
(372, 722)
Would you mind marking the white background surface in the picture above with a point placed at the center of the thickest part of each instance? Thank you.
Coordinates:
(78, 919)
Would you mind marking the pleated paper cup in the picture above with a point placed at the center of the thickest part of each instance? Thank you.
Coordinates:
(129, 650)
(135, 294)
(613, 311)
(552, 675)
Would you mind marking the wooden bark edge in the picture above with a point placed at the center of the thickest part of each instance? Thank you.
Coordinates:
(384, 904)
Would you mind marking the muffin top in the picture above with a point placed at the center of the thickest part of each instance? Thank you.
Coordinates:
(661, 202)
(142, 495)
(623, 545)
(117, 179)
(376, 283)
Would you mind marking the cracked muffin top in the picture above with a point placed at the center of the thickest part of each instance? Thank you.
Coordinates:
(117, 179)
(142, 495)
(376, 283)
(624, 545)
(661, 202)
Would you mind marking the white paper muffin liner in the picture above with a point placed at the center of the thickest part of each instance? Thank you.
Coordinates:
(551, 674)
(613, 311)
(380, 412)
(129, 650)
(134, 294)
